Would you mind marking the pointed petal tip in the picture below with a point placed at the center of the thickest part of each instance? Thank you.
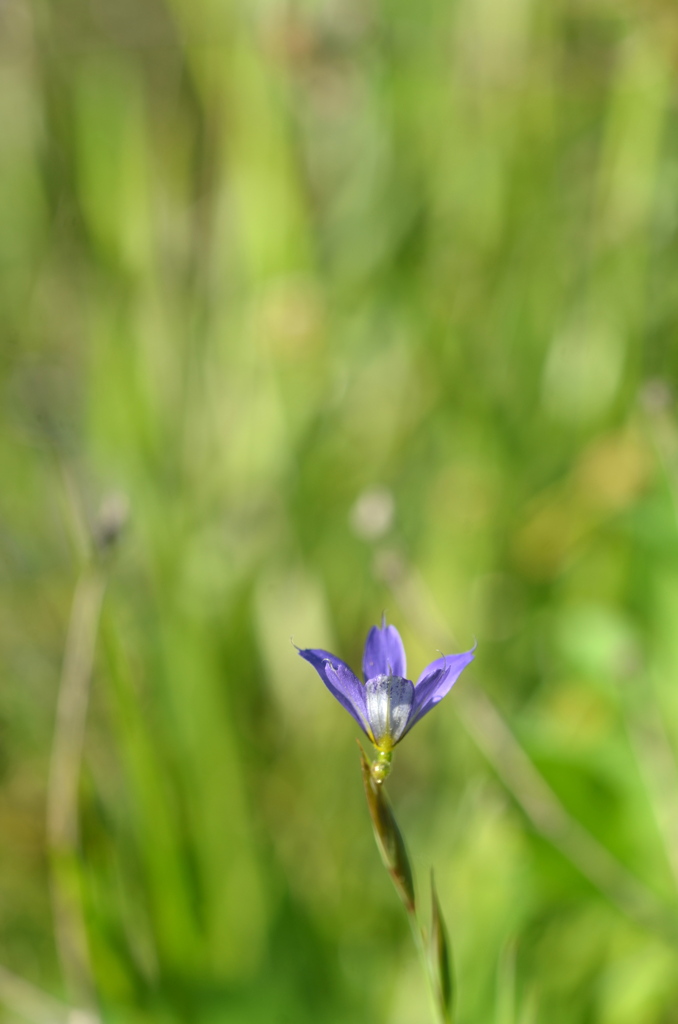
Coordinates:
(436, 681)
(445, 660)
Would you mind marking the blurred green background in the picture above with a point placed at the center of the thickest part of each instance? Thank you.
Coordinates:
(352, 305)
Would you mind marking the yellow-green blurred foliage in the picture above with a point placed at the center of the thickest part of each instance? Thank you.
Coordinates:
(357, 304)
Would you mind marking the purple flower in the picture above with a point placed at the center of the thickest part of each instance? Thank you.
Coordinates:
(387, 704)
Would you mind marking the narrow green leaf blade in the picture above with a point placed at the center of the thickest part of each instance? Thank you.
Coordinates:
(441, 958)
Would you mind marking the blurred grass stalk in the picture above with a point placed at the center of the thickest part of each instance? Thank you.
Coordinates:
(30, 1003)
(63, 786)
(646, 725)
(64, 780)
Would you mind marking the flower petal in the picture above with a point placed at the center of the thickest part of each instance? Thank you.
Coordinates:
(436, 681)
(384, 653)
(389, 705)
(341, 681)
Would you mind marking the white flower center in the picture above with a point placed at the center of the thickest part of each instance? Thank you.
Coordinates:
(389, 704)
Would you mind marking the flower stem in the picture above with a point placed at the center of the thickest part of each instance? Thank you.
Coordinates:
(395, 859)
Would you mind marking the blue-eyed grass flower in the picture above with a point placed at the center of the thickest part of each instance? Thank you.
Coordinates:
(387, 704)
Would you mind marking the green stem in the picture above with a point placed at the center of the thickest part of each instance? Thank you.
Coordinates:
(395, 859)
